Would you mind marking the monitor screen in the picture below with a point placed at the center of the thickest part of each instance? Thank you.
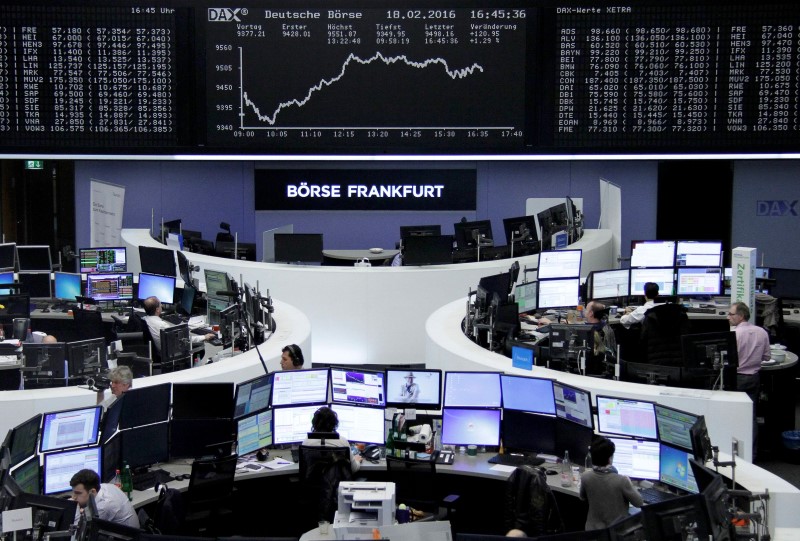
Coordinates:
(110, 421)
(34, 259)
(420, 231)
(111, 463)
(676, 470)
(694, 253)
(216, 281)
(357, 387)
(8, 255)
(252, 396)
(86, 356)
(298, 247)
(495, 283)
(470, 234)
(652, 253)
(528, 394)
(29, 477)
(110, 287)
(559, 293)
(102, 260)
(66, 286)
(472, 390)
(428, 250)
(529, 432)
(706, 351)
(521, 229)
(787, 283)
(254, 432)
(560, 264)
(202, 400)
(674, 426)
(157, 260)
(54, 514)
(145, 445)
(24, 439)
(60, 467)
(47, 359)
(526, 295)
(470, 426)
(35, 284)
(568, 341)
(292, 424)
(70, 428)
(188, 294)
(705, 282)
(574, 438)
(633, 418)
(145, 405)
(638, 459)
(360, 424)
(154, 285)
(573, 404)
(215, 308)
(665, 278)
(420, 389)
(610, 284)
(193, 438)
(296, 387)
(7, 278)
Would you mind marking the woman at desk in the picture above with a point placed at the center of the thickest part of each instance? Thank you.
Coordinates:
(326, 420)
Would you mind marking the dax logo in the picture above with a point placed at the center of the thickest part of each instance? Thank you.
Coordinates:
(225, 15)
(776, 208)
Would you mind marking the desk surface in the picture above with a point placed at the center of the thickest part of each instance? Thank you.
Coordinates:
(789, 362)
(355, 255)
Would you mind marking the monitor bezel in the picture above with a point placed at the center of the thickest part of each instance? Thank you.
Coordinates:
(425, 406)
(600, 428)
(115, 248)
(98, 412)
(469, 373)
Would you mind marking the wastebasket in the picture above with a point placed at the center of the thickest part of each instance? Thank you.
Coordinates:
(791, 446)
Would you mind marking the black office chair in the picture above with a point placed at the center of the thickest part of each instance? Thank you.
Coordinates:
(662, 329)
(416, 486)
(136, 323)
(88, 324)
(321, 470)
(209, 499)
(530, 505)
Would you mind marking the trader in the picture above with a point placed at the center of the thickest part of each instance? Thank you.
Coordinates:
(326, 420)
(633, 316)
(120, 380)
(152, 307)
(605, 343)
(112, 504)
(292, 357)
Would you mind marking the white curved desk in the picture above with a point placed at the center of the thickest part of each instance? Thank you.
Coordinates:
(369, 315)
(293, 327)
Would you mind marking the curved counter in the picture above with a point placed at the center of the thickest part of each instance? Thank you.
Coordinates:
(369, 315)
(293, 327)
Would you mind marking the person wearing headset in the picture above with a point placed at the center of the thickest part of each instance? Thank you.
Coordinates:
(326, 420)
(292, 357)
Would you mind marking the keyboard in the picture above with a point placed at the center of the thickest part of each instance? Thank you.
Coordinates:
(148, 479)
(175, 319)
(653, 495)
(516, 460)
(200, 330)
(701, 310)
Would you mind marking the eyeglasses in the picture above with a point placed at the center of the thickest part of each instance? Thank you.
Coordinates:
(732, 314)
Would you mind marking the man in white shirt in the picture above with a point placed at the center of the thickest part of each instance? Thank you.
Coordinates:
(633, 316)
(112, 504)
(152, 307)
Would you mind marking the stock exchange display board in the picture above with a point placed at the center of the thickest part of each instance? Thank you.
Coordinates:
(470, 77)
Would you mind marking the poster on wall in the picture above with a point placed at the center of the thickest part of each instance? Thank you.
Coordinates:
(107, 203)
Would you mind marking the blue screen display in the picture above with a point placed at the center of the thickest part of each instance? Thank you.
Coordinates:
(675, 469)
(472, 389)
(470, 426)
(528, 394)
(67, 285)
(155, 285)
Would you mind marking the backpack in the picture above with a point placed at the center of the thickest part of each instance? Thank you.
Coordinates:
(530, 503)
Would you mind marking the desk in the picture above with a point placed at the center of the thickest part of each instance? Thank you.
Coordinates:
(778, 413)
(348, 257)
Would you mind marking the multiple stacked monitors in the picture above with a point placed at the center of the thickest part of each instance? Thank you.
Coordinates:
(360, 424)
(60, 467)
(698, 265)
(110, 287)
(472, 390)
(102, 260)
(350, 386)
(295, 387)
(34, 259)
(70, 428)
(633, 418)
(154, 285)
(66, 286)
(421, 389)
(157, 260)
(559, 292)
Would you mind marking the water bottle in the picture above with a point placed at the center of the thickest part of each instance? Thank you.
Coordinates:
(566, 471)
(117, 480)
(587, 464)
(127, 482)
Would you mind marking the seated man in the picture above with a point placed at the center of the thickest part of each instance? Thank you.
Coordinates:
(120, 380)
(152, 307)
(112, 504)
(633, 316)
(605, 343)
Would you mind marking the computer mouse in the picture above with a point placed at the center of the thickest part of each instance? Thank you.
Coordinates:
(551, 472)
(45, 310)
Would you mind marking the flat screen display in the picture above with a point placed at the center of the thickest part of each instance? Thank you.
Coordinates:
(70, 428)
(292, 424)
(216, 281)
(653, 253)
(674, 426)
(675, 469)
(530, 432)
(634, 418)
(694, 253)
(357, 387)
(638, 459)
(145, 405)
(470, 426)
(66, 286)
(154, 285)
(665, 278)
(254, 432)
(298, 247)
(559, 264)
(526, 295)
(34, 259)
(103, 260)
(146, 445)
(8, 255)
(157, 260)
(36, 284)
(252, 396)
(559, 293)
(472, 389)
(202, 400)
(110, 287)
(28, 476)
(573, 404)
(360, 424)
(610, 284)
(704, 282)
(420, 389)
(6, 278)
(24, 439)
(295, 387)
(60, 467)
(528, 394)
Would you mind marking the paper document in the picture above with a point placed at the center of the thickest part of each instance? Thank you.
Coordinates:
(278, 463)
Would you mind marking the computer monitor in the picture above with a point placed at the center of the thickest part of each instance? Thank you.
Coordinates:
(665, 278)
(229, 318)
(609, 284)
(216, 281)
(176, 344)
(675, 469)
(628, 528)
(787, 283)
(254, 432)
(86, 357)
(51, 514)
(476, 426)
(354, 386)
(528, 394)
(472, 390)
(110, 287)
(417, 389)
(360, 424)
(703, 353)
(495, 284)
(7, 278)
(298, 247)
(624, 417)
(144, 446)
(428, 250)
(145, 405)
(23, 440)
(559, 293)
(699, 282)
(677, 518)
(696, 253)
(110, 420)
(66, 286)
(470, 234)
(521, 231)
(652, 374)
(296, 387)
(186, 303)
(70, 428)
(29, 476)
(574, 438)
(526, 295)
(701, 442)
(569, 342)
(174, 240)
(714, 492)
(157, 260)
(8, 256)
(573, 404)
(60, 467)
(292, 424)
(47, 359)
(36, 284)
(252, 396)
(202, 400)
(154, 285)
(559, 264)
(674, 426)
(652, 253)
(636, 458)
(34, 259)
(194, 438)
(407, 231)
(215, 306)
(102, 260)
(529, 432)
(551, 221)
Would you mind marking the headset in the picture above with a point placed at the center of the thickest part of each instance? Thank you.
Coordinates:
(295, 354)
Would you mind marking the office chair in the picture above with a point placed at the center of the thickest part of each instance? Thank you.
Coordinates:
(137, 322)
(225, 235)
(88, 324)
(176, 353)
(209, 498)
(416, 486)
(662, 329)
(321, 470)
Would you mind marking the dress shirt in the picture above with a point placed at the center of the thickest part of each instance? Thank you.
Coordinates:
(113, 505)
(637, 316)
(155, 324)
(752, 344)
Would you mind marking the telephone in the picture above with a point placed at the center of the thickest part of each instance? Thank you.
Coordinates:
(371, 453)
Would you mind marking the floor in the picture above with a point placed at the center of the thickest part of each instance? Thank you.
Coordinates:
(777, 464)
